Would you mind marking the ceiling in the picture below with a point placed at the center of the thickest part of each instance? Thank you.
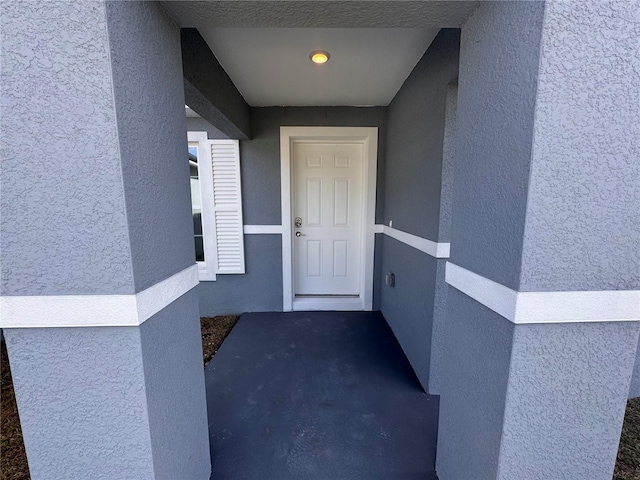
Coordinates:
(190, 113)
(271, 66)
(264, 45)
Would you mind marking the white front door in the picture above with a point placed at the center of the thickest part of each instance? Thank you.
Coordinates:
(327, 206)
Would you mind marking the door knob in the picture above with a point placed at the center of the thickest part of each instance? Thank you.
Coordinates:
(298, 234)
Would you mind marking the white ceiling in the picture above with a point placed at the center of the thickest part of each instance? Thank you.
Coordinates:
(264, 44)
(271, 66)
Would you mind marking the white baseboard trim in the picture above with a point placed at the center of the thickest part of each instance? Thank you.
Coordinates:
(49, 311)
(435, 249)
(263, 229)
(301, 304)
(546, 307)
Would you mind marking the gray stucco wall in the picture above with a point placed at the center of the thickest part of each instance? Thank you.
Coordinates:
(209, 90)
(148, 86)
(196, 124)
(101, 370)
(377, 272)
(136, 393)
(81, 150)
(260, 288)
(408, 307)
(477, 353)
(63, 208)
(413, 188)
(634, 389)
(530, 401)
(97, 195)
(415, 140)
(174, 384)
(306, 14)
(499, 56)
(444, 235)
(586, 150)
(513, 397)
(448, 162)
(566, 400)
(440, 298)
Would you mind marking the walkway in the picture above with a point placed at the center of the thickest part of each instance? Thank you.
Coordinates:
(317, 396)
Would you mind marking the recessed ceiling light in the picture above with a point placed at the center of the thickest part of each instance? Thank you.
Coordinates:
(319, 56)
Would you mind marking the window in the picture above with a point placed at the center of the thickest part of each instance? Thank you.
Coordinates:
(196, 202)
(216, 205)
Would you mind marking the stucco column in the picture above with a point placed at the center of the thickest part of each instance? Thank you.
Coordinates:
(98, 307)
(543, 301)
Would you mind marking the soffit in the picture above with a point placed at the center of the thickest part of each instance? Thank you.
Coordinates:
(264, 46)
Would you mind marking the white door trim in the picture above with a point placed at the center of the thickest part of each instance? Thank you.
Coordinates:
(368, 136)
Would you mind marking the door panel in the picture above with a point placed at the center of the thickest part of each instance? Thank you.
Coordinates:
(314, 202)
(341, 202)
(327, 197)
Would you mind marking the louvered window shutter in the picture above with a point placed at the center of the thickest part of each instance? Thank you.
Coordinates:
(227, 205)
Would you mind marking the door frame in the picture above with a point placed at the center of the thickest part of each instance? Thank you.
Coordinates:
(368, 137)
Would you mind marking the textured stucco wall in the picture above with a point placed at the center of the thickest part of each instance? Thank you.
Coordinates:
(537, 401)
(634, 389)
(566, 399)
(332, 13)
(209, 90)
(408, 307)
(448, 163)
(499, 55)
(149, 100)
(258, 290)
(64, 225)
(444, 230)
(97, 195)
(114, 402)
(438, 330)
(82, 401)
(413, 185)
(415, 140)
(472, 401)
(195, 124)
(378, 279)
(586, 151)
(176, 400)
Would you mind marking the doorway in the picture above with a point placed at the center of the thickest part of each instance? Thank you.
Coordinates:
(328, 208)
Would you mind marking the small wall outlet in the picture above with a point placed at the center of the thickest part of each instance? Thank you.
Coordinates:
(391, 223)
(391, 280)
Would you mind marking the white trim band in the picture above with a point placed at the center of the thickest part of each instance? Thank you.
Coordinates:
(435, 249)
(546, 307)
(262, 229)
(95, 310)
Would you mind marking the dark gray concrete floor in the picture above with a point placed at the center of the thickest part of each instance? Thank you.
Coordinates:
(317, 396)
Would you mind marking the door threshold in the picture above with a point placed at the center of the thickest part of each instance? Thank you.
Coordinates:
(329, 302)
(330, 295)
